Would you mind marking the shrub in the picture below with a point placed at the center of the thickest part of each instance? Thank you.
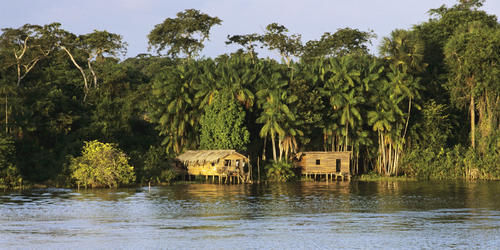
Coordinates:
(9, 173)
(280, 171)
(100, 165)
(157, 168)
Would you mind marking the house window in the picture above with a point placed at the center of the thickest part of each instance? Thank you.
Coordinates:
(337, 165)
(237, 163)
(318, 162)
(227, 163)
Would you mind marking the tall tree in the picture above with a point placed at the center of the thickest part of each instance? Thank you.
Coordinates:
(288, 46)
(100, 43)
(343, 42)
(249, 42)
(26, 46)
(173, 107)
(184, 34)
(473, 57)
(405, 50)
(273, 100)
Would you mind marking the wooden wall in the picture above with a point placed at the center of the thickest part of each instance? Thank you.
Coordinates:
(324, 162)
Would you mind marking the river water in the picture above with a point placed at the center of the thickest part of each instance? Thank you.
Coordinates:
(314, 215)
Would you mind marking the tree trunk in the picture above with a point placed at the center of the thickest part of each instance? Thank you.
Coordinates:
(93, 73)
(274, 146)
(346, 135)
(18, 74)
(264, 150)
(325, 141)
(333, 143)
(407, 119)
(86, 87)
(280, 147)
(6, 115)
(472, 121)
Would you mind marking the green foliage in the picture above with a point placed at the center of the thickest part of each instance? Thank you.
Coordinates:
(473, 58)
(455, 163)
(405, 50)
(101, 164)
(222, 125)
(280, 171)
(173, 109)
(434, 127)
(157, 167)
(183, 34)
(99, 43)
(249, 42)
(425, 163)
(276, 38)
(341, 43)
(9, 174)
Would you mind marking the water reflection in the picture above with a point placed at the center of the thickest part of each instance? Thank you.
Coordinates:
(295, 215)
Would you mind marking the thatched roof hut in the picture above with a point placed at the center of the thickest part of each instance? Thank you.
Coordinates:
(191, 157)
(215, 163)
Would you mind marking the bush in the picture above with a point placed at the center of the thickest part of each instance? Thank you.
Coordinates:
(9, 173)
(280, 171)
(429, 164)
(100, 165)
(157, 168)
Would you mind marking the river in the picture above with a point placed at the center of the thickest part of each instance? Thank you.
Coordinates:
(304, 215)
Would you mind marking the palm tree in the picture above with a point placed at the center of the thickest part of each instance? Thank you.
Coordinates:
(340, 88)
(405, 50)
(270, 117)
(173, 106)
(236, 74)
(273, 99)
(288, 142)
(350, 112)
(206, 88)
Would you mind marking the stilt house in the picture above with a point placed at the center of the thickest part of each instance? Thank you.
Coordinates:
(324, 163)
(221, 163)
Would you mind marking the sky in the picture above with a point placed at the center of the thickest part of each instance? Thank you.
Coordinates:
(134, 19)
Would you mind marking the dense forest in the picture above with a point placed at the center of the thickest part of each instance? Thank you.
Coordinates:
(428, 106)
